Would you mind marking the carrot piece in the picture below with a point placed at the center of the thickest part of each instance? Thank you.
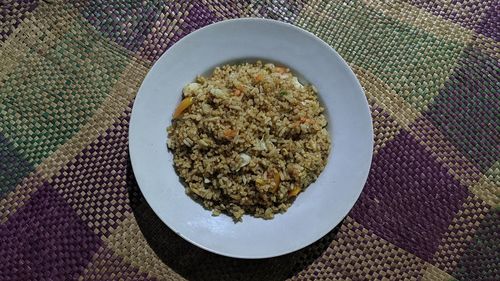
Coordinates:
(230, 134)
(237, 92)
(303, 119)
(294, 191)
(277, 181)
(258, 77)
(185, 103)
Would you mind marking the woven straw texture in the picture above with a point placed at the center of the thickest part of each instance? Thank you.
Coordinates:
(70, 208)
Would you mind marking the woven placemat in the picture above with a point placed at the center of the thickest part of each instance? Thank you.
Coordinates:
(71, 209)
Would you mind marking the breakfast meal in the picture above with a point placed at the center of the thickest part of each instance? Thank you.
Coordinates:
(248, 139)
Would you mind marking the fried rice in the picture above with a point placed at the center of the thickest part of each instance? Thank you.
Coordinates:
(248, 139)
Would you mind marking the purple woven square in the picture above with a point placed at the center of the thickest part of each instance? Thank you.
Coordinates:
(95, 182)
(466, 13)
(12, 14)
(490, 23)
(45, 240)
(409, 198)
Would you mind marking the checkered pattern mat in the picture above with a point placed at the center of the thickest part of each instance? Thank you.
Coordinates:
(70, 208)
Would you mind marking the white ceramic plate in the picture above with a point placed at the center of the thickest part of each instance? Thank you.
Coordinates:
(323, 204)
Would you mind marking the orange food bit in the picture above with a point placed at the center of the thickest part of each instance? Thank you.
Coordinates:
(294, 191)
(306, 120)
(230, 134)
(281, 69)
(258, 78)
(185, 103)
(237, 92)
(277, 181)
(274, 176)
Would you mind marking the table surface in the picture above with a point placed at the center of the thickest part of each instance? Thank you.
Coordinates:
(71, 209)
